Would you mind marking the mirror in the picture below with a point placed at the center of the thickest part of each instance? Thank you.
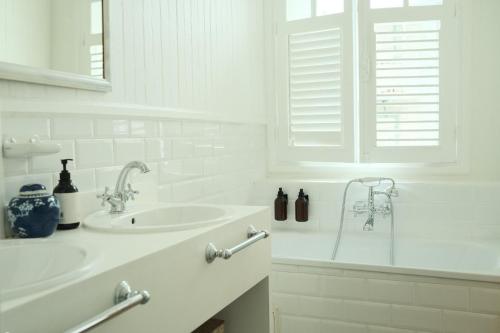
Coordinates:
(58, 42)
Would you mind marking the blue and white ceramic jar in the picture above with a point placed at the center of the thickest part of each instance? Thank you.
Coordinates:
(34, 213)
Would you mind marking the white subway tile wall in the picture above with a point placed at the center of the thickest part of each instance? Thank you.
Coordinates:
(190, 160)
(456, 211)
(324, 300)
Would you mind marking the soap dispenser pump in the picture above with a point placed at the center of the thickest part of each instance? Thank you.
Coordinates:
(281, 206)
(302, 207)
(67, 194)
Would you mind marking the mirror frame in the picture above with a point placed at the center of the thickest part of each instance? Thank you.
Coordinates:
(22, 73)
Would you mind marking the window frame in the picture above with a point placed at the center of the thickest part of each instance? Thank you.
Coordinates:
(367, 158)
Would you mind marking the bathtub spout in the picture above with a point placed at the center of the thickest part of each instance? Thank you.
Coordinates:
(368, 224)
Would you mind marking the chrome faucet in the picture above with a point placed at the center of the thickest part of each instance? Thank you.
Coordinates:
(362, 207)
(369, 206)
(123, 190)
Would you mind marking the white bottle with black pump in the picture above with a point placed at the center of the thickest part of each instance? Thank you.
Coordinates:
(67, 194)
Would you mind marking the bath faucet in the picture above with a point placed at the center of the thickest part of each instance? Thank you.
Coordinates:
(123, 190)
(369, 206)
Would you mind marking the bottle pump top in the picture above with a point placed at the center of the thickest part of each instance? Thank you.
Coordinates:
(302, 194)
(282, 194)
(64, 175)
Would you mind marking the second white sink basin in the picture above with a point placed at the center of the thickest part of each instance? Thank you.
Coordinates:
(33, 265)
(158, 217)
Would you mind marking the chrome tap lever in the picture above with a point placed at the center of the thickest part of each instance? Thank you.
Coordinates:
(384, 209)
(130, 192)
(113, 200)
(359, 207)
(105, 196)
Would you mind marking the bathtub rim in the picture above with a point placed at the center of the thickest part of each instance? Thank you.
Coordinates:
(384, 269)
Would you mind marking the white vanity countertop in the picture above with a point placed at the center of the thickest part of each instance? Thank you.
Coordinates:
(106, 250)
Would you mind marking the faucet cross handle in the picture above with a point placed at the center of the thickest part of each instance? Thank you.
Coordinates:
(130, 192)
(359, 207)
(105, 196)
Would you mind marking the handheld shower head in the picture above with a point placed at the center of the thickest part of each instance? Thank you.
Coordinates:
(376, 181)
(370, 181)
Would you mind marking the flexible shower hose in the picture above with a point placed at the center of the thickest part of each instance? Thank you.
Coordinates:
(341, 226)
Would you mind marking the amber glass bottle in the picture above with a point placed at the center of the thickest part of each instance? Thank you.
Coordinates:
(302, 207)
(281, 206)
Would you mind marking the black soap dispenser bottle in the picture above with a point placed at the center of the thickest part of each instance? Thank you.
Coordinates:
(302, 207)
(281, 206)
(67, 194)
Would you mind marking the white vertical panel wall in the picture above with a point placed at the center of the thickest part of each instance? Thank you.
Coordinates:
(170, 55)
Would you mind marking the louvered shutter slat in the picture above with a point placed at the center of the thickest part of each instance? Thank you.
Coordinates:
(314, 88)
(407, 83)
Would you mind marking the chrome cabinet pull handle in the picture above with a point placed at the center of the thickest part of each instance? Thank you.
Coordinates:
(211, 252)
(124, 300)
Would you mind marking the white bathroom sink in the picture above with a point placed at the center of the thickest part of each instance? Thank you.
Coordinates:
(159, 217)
(34, 265)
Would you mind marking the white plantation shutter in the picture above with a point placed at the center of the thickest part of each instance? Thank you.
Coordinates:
(314, 88)
(407, 83)
(314, 85)
(373, 84)
(408, 102)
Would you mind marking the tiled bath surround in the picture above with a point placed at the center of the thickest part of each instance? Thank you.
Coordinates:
(312, 296)
(317, 299)
(190, 160)
(423, 209)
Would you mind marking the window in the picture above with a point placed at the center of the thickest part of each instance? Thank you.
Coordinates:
(375, 83)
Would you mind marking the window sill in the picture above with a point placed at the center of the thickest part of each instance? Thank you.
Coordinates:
(353, 170)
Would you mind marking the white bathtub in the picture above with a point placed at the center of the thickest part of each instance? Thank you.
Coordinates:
(434, 286)
(370, 251)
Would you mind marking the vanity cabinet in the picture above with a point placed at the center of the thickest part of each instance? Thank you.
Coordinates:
(185, 289)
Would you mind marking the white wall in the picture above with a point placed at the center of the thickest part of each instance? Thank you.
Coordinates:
(189, 160)
(481, 82)
(170, 55)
